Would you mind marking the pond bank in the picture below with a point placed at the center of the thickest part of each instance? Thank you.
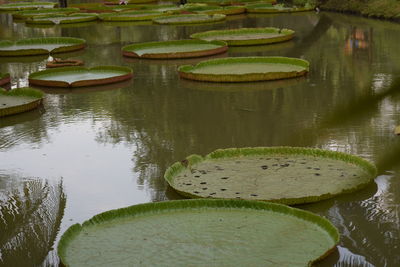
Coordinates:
(383, 9)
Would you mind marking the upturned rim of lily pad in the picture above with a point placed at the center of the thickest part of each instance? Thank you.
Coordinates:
(129, 50)
(210, 9)
(35, 95)
(265, 8)
(25, 6)
(68, 44)
(194, 19)
(187, 71)
(128, 15)
(190, 161)
(287, 34)
(4, 78)
(239, 208)
(69, 18)
(126, 73)
(25, 14)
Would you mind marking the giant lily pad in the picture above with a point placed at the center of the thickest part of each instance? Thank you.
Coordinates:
(175, 49)
(227, 10)
(80, 76)
(245, 69)
(267, 8)
(247, 36)
(43, 12)
(199, 233)
(25, 6)
(287, 175)
(4, 78)
(189, 19)
(19, 100)
(40, 46)
(62, 18)
(130, 16)
(211, 2)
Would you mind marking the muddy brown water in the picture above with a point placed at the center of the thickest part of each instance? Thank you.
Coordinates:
(89, 150)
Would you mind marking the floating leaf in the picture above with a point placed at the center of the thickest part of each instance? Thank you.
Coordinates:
(288, 175)
(199, 233)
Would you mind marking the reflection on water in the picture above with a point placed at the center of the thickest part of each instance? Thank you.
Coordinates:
(30, 216)
(112, 144)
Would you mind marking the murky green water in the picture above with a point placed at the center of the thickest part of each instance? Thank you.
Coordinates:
(94, 149)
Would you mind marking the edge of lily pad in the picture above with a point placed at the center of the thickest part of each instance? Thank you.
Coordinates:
(152, 208)
(71, 44)
(288, 35)
(47, 19)
(34, 79)
(36, 95)
(119, 16)
(126, 50)
(197, 18)
(191, 160)
(185, 71)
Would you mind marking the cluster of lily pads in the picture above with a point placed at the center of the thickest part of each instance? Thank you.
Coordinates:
(239, 213)
(195, 11)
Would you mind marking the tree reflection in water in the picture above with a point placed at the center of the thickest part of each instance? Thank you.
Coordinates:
(30, 215)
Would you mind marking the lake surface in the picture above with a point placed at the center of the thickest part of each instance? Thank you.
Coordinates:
(89, 150)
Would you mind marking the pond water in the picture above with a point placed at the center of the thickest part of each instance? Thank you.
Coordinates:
(93, 149)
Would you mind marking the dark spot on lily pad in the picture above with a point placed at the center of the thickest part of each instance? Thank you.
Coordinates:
(285, 165)
(203, 182)
(188, 184)
(264, 167)
(204, 188)
(197, 176)
(317, 174)
(237, 193)
(253, 195)
(224, 178)
(196, 192)
(223, 189)
(212, 194)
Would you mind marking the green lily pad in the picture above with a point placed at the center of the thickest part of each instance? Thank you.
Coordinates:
(245, 69)
(267, 8)
(4, 78)
(175, 49)
(19, 100)
(40, 46)
(62, 18)
(43, 12)
(130, 2)
(227, 10)
(130, 15)
(80, 76)
(159, 8)
(189, 19)
(199, 233)
(286, 175)
(25, 6)
(210, 2)
(247, 36)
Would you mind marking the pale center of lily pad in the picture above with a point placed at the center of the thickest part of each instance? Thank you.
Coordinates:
(179, 48)
(12, 101)
(244, 68)
(269, 177)
(202, 237)
(57, 20)
(184, 19)
(74, 76)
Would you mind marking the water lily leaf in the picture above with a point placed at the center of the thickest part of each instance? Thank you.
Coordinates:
(199, 233)
(19, 100)
(288, 175)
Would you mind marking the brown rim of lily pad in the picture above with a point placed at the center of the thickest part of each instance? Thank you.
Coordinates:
(19, 100)
(287, 175)
(175, 49)
(66, 76)
(245, 69)
(247, 36)
(4, 78)
(57, 63)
